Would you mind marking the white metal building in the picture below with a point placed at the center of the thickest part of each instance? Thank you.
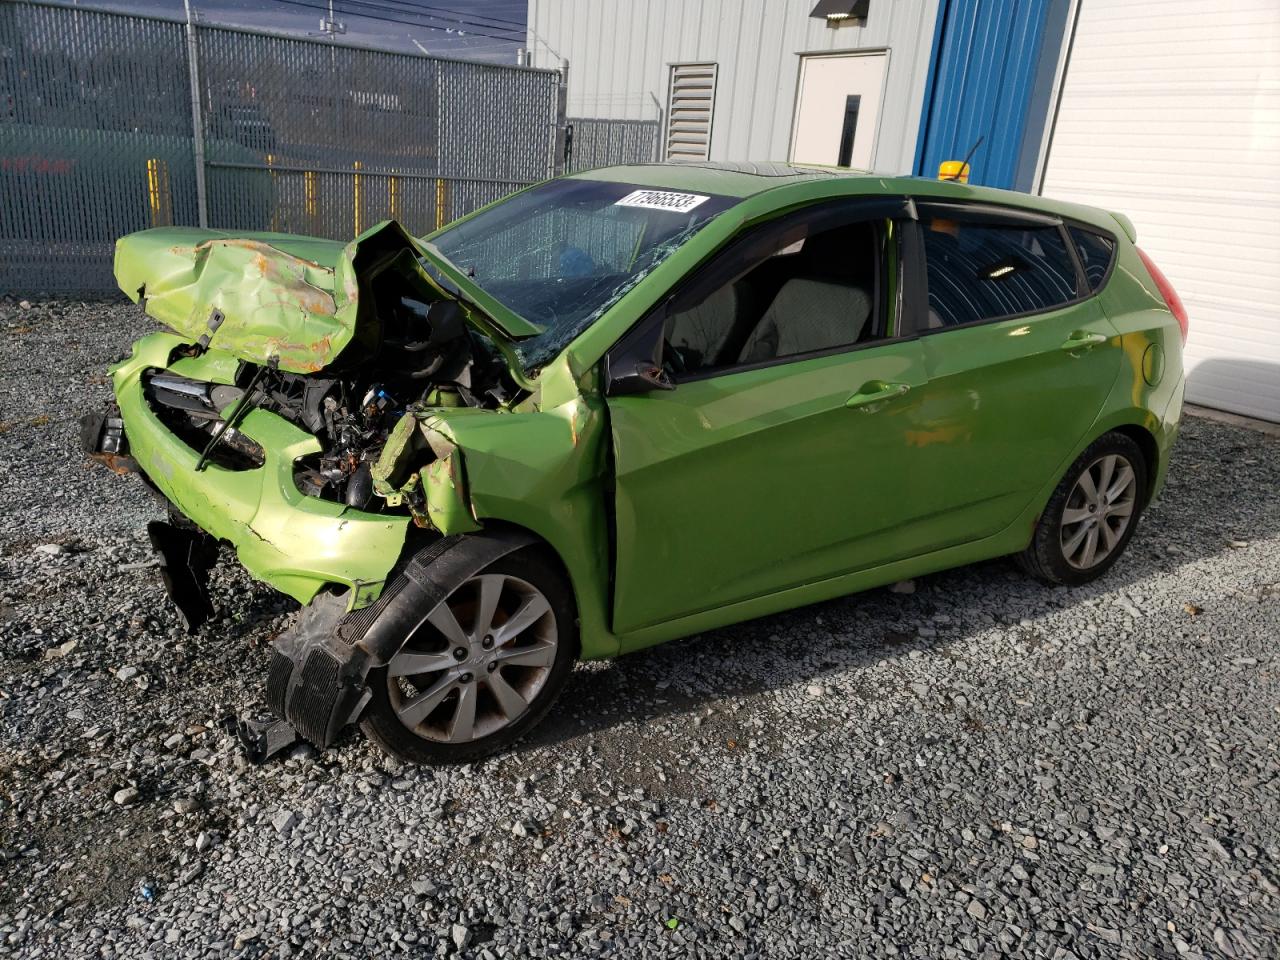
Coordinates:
(721, 75)
(1166, 110)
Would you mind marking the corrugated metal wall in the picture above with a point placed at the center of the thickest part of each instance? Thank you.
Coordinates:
(620, 52)
(990, 77)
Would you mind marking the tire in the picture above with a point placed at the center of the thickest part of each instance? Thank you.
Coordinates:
(1060, 549)
(421, 700)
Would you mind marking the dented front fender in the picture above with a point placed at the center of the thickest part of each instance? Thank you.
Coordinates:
(422, 468)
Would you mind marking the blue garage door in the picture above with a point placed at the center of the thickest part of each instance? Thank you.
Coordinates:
(991, 76)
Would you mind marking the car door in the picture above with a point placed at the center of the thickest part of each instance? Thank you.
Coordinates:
(763, 473)
(1019, 355)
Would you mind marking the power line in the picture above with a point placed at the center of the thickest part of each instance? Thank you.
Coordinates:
(409, 23)
(471, 13)
(382, 6)
(420, 12)
(463, 47)
(429, 9)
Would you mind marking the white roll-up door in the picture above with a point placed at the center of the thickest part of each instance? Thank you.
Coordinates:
(1170, 112)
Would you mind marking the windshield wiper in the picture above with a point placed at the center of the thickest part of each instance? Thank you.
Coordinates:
(243, 408)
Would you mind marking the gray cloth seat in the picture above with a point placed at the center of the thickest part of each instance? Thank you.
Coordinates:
(806, 316)
(700, 332)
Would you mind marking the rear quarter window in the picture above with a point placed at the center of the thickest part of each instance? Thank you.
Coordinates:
(1096, 253)
(983, 271)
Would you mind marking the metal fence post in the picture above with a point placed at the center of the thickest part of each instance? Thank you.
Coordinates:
(197, 122)
(659, 131)
(562, 103)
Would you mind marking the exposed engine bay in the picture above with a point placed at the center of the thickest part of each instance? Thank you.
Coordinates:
(427, 356)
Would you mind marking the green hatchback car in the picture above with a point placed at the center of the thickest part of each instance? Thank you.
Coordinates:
(626, 406)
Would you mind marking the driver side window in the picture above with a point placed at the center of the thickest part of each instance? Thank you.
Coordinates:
(791, 293)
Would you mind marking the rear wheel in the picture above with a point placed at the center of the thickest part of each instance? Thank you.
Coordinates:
(480, 669)
(1092, 514)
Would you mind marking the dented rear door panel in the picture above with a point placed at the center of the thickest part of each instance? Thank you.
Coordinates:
(1006, 407)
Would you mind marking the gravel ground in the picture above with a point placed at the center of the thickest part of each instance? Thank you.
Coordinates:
(985, 767)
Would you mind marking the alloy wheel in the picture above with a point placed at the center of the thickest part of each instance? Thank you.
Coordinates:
(1098, 511)
(476, 662)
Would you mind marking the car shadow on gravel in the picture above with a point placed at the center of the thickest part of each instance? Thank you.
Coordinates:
(1194, 521)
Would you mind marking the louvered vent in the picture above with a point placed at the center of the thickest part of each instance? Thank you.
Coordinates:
(689, 109)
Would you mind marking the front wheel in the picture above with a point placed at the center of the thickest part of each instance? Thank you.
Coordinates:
(479, 670)
(1092, 514)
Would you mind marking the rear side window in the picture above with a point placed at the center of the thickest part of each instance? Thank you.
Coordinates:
(982, 271)
(1096, 252)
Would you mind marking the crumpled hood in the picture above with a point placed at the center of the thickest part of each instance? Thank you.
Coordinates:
(295, 299)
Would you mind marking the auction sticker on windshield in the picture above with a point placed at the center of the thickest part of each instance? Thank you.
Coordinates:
(662, 200)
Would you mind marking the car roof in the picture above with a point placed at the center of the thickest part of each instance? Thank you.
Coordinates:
(749, 178)
(740, 179)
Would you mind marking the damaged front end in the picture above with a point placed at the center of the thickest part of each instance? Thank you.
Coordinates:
(297, 411)
(340, 341)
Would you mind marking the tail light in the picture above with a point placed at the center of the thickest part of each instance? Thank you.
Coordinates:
(1171, 298)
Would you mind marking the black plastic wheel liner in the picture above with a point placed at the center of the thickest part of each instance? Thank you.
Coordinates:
(319, 667)
(185, 559)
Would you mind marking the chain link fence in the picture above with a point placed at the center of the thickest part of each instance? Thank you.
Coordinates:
(100, 136)
(601, 143)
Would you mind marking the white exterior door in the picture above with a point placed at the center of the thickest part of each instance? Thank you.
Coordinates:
(838, 109)
(1170, 113)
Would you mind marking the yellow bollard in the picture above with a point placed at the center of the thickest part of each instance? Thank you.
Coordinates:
(442, 216)
(393, 198)
(357, 198)
(159, 196)
(309, 194)
(153, 190)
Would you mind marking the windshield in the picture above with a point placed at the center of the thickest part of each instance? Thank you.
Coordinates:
(562, 253)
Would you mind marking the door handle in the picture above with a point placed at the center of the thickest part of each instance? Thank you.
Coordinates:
(876, 391)
(1082, 340)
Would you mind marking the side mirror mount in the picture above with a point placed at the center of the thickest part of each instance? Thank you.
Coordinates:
(643, 378)
(634, 365)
